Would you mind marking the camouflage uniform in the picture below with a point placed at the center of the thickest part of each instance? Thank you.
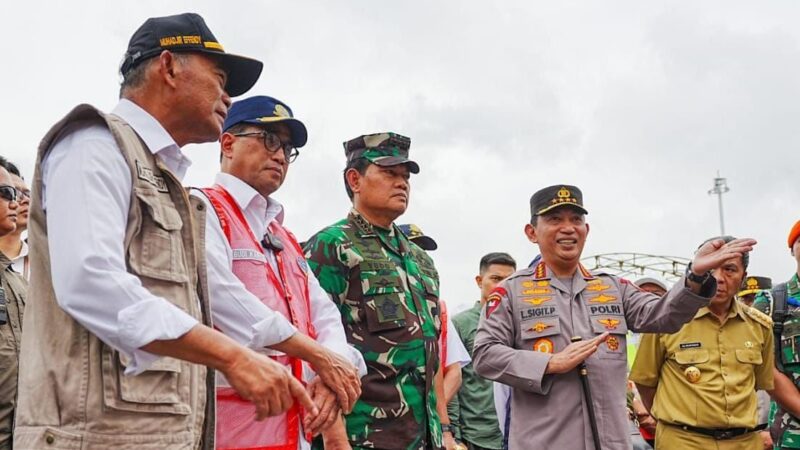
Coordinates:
(785, 429)
(387, 291)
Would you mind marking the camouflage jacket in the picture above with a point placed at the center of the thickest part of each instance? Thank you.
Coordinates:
(387, 291)
(785, 428)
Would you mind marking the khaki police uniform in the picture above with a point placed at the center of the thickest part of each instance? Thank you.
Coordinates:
(706, 377)
(533, 314)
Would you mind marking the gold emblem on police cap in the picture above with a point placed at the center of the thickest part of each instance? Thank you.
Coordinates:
(692, 374)
(752, 283)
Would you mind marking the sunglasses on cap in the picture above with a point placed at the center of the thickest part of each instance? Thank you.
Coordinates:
(8, 193)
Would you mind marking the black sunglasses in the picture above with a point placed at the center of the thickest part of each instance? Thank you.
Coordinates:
(272, 143)
(8, 193)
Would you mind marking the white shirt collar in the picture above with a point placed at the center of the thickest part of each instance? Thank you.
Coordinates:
(158, 141)
(258, 211)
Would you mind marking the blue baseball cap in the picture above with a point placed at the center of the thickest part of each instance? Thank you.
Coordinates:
(260, 110)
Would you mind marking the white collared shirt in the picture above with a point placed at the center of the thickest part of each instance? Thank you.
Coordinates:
(86, 191)
(21, 260)
(239, 313)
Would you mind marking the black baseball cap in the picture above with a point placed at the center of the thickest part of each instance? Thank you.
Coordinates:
(188, 32)
(557, 196)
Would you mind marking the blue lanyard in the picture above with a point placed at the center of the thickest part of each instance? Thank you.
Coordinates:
(794, 301)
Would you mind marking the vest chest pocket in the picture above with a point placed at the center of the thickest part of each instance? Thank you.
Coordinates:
(157, 250)
(383, 303)
(160, 389)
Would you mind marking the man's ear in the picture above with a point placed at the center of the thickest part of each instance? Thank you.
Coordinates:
(478, 280)
(587, 229)
(226, 141)
(530, 232)
(167, 67)
(353, 180)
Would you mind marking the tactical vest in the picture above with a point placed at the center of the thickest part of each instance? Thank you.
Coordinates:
(73, 393)
(285, 292)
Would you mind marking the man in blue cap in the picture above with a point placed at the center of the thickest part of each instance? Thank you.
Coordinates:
(272, 300)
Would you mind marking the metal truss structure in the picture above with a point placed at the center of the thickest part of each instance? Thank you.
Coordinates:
(638, 265)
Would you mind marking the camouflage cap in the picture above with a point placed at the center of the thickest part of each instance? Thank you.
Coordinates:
(754, 285)
(415, 235)
(382, 149)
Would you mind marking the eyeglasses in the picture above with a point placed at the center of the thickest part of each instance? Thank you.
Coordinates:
(272, 143)
(8, 193)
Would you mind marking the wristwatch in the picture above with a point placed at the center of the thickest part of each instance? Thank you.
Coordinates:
(447, 428)
(699, 279)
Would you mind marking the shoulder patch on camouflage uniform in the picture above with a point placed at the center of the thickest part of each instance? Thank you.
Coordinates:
(758, 316)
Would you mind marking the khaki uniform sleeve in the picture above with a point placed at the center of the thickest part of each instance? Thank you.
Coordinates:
(495, 356)
(649, 313)
(646, 368)
(764, 379)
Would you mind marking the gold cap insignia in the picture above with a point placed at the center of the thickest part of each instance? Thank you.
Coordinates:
(752, 283)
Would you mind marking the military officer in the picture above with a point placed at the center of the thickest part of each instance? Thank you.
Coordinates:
(387, 291)
(526, 326)
(751, 286)
(704, 377)
(782, 303)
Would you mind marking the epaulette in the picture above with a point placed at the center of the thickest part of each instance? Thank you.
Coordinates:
(526, 272)
(758, 316)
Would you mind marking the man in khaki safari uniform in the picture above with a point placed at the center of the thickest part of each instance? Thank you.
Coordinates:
(118, 310)
(526, 327)
(700, 383)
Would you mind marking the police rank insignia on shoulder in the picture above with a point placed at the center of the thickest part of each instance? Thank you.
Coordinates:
(758, 316)
(493, 301)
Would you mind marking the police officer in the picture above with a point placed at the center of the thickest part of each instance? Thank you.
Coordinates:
(704, 377)
(524, 335)
(782, 303)
(387, 291)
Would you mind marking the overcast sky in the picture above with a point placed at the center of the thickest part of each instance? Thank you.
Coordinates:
(637, 103)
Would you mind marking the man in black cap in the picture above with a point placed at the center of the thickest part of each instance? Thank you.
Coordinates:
(526, 334)
(118, 313)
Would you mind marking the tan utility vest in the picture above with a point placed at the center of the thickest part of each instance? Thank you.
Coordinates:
(72, 392)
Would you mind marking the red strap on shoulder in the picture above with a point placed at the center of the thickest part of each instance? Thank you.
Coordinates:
(215, 196)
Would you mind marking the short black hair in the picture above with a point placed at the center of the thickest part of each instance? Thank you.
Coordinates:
(359, 165)
(496, 258)
(745, 256)
(9, 166)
